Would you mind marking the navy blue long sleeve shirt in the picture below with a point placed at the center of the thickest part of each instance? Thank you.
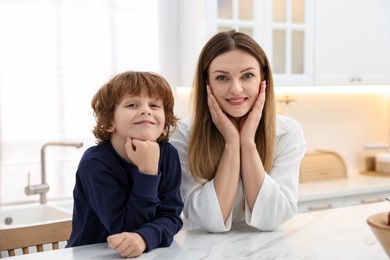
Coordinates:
(111, 196)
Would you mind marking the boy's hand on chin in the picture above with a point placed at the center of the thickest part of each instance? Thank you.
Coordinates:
(144, 154)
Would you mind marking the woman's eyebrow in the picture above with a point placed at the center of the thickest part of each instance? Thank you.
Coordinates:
(220, 71)
(225, 72)
(249, 68)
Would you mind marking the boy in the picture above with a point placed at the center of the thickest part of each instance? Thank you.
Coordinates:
(127, 189)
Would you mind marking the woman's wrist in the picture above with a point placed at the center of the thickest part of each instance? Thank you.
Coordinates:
(248, 145)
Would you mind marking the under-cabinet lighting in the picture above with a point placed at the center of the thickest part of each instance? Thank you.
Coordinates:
(357, 89)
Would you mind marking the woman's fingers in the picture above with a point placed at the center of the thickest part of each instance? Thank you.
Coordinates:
(259, 104)
(257, 109)
(213, 104)
(248, 125)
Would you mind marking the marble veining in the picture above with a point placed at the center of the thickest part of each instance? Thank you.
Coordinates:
(330, 234)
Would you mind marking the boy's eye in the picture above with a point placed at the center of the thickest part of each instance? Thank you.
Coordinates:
(155, 105)
(132, 105)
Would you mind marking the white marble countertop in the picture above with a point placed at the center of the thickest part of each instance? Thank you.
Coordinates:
(355, 184)
(329, 234)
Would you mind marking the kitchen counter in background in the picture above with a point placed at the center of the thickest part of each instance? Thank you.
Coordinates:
(328, 234)
(357, 189)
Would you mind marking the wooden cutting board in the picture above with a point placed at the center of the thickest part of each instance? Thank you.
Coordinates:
(374, 173)
(322, 165)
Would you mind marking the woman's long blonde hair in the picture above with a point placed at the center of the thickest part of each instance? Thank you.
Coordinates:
(206, 143)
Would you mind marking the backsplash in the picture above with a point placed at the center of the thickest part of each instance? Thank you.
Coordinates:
(343, 123)
(340, 122)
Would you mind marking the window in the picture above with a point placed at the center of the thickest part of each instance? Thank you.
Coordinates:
(235, 14)
(54, 55)
(288, 36)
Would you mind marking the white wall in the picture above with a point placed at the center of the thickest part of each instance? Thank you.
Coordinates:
(343, 123)
(54, 55)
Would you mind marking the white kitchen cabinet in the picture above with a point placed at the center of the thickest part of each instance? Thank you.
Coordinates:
(352, 42)
(360, 197)
(356, 189)
(313, 42)
(283, 28)
(320, 204)
(291, 41)
(371, 197)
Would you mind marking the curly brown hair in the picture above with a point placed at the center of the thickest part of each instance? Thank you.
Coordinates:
(131, 83)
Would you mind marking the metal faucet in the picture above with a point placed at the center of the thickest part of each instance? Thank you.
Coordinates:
(43, 188)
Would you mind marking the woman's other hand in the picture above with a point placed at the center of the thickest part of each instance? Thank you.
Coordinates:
(249, 123)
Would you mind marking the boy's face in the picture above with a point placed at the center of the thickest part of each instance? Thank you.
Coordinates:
(139, 117)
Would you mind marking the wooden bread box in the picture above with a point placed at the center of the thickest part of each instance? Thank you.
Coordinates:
(322, 165)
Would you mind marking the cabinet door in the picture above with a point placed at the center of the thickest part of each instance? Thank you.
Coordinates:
(291, 37)
(352, 42)
(333, 42)
(283, 28)
(365, 199)
(372, 33)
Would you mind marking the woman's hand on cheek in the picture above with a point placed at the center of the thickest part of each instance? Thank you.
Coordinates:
(249, 123)
(226, 125)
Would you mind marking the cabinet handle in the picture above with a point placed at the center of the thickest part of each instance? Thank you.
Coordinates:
(356, 79)
(368, 201)
(322, 207)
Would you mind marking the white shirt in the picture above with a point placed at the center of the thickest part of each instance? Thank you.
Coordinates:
(277, 199)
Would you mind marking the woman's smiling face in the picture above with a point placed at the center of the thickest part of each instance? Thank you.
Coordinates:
(234, 78)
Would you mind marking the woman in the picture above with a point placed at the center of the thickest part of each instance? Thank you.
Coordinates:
(240, 162)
